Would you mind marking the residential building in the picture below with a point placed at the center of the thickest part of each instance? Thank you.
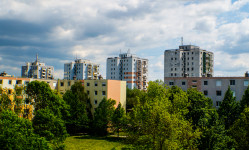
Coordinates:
(98, 89)
(81, 70)
(37, 70)
(130, 68)
(14, 88)
(188, 60)
(212, 87)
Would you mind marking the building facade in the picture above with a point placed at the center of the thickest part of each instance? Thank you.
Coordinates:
(81, 70)
(188, 60)
(98, 89)
(37, 70)
(212, 87)
(130, 68)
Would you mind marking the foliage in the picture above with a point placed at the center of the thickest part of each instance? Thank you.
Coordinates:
(131, 97)
(245, 100)
(229, 109)
(80, 113)
(5, 102)
(240, 130)
(41, 96)
(119, 118)
(17, 133)
(160, 82)
(47, 125)
(102, 116)
(159, 123)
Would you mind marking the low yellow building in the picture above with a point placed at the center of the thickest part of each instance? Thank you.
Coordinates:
(98, 89)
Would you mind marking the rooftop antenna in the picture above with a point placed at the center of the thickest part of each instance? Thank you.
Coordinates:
(36, 57)
(182, 41)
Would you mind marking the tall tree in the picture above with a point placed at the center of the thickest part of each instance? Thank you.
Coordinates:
(18, 133)
(156, 123)
(119, 118)
(131, 97)
(41, 96)
(240, 130)
(80, 109)
(102, 116)
(47, 125)
(245, 100)
(229, 109)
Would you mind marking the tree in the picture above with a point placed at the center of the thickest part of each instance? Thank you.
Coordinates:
(42, 96)
(156, 123)
(47, 125)
(229, 109)
(17, 133)
(245, 100)
(240, 130)
(131, 97)
(102, 116)
(119, 118)
(80, 113)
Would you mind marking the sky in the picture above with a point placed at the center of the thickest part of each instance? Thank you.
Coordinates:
(60, 30)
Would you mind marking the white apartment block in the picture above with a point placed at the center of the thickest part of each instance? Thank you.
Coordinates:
(188, 60)
(130, 68)
(37, 70)
(81, 70)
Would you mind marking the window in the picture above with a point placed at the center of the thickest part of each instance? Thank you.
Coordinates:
(218, 93)
(205, 93)
(205, 82)
(54, 84)
(103, 93)
(10, 81)
(87, 84)
(171, 74)
(192, 69)
(245, 83)
(232, 82)
(218, 103)
(171, 69)
(62, 84)
(96, 84)
(9, 91)
(194, 86)
(1, 81)
(68, 83)
(194, 81)
(183, 82)
(88, 92)
(218, 83)
(96, 92)
(171, 83)
(95, 102)
(103, 84)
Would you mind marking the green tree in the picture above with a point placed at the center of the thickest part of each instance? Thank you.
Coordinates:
(240, 130)
(245, 100)
(157, 123)
(119, 118)
(229, 109)
(47, 125)
(17, 133)
(80, 113)
(102, 116)
(41, 96)
(131, 97)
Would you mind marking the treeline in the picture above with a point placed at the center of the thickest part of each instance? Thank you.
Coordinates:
(161, 118)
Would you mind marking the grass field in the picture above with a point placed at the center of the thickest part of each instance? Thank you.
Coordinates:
(87, 142)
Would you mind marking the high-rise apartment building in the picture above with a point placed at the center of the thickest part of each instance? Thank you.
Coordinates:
(188, 60)
(130, 68)
(81, 70)
(37, 70)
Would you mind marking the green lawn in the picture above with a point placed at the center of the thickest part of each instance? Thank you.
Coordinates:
(87, 142)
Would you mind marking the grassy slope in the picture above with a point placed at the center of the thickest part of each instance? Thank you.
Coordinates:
(93, 143)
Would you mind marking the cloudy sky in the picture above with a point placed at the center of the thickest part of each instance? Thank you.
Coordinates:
(58, 30)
